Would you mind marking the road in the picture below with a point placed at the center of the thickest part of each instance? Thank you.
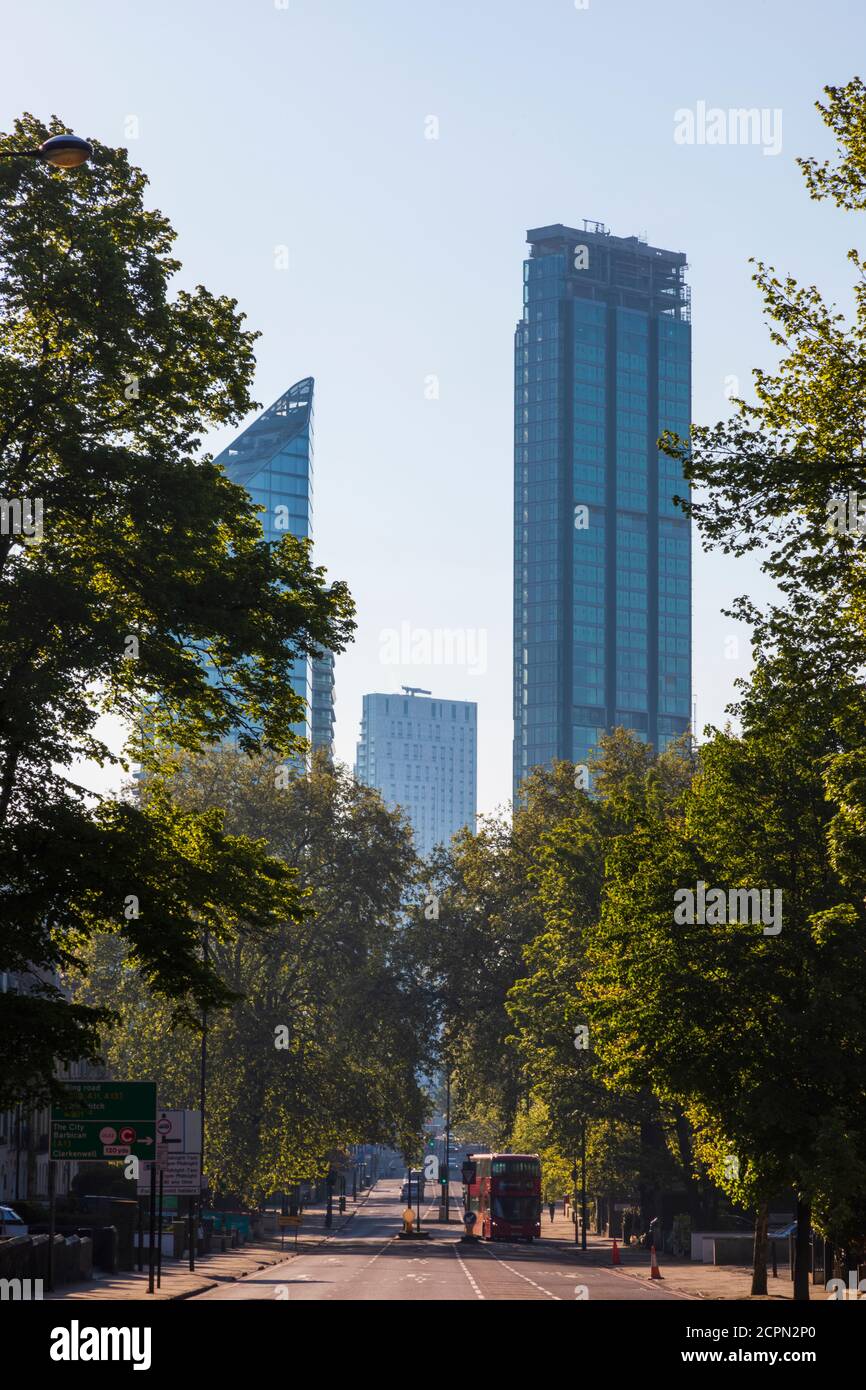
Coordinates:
(367, 1261)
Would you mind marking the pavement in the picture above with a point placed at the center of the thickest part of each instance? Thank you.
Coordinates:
(679, 1274)
(213, 1271)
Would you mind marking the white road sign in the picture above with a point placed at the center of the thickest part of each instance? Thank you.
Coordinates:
(181, 1175)
(179, 1131)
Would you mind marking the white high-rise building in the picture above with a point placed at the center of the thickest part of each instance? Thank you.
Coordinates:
(421, 754)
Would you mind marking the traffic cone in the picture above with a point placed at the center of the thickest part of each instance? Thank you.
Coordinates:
(655, 1272)
(616, 1258)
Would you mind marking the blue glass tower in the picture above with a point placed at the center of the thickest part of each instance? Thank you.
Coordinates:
(273, 460)
(602, 558)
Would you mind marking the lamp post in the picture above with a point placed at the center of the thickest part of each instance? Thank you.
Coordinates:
(203, 1078)
(583, 1184)
(448, 1142)
(61, 151)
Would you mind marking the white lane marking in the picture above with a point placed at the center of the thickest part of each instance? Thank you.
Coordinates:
(478, 1293)
(525, 1277)
(390, 1241)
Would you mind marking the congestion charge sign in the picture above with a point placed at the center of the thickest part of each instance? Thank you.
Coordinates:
(104, 1119)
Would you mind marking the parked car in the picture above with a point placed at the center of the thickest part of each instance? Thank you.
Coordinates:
(11, 1223)
(409, 1190)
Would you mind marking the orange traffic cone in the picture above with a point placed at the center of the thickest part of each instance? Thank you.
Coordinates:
(655, 1272)
(616, 1258)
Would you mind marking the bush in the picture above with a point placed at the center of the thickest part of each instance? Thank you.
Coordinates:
(101, 1180)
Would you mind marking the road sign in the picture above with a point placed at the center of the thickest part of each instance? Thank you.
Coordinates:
(179, 1130)
(286, 1222)
(181, 1174)
(98, 1120)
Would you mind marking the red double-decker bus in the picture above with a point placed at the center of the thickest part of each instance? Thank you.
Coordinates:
(504, 1192)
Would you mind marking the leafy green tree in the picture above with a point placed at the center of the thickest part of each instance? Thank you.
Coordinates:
(145, 582)
(754, 1028)
(787, 473)
(626, 1136)
(532, 1133)
(325, 1041)
(486, 914)
(778, 472)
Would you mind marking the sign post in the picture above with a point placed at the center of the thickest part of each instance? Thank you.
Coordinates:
(159, 1220)
(152, 1222)
(288, 1221)
(52, 1216)
(177, 1158)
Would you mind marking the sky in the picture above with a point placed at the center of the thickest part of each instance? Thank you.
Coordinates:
(361, 176)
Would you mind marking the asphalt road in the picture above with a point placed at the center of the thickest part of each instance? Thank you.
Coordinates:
(367, 1261)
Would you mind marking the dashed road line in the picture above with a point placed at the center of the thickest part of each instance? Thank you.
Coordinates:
(525, 1277)
(462, 1264)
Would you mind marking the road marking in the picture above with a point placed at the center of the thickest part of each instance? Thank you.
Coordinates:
(525, 1277)
(478, 1293)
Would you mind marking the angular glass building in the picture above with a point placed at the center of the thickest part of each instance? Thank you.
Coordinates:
(602, 558)
(273, 460)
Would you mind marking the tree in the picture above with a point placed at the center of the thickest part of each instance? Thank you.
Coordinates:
(631, 1145)
(144, 582)
(786, 472)
(323, 1043)
(486, 914)
(752, 1024)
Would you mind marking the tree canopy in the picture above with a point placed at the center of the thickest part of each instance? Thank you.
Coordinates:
(133, 576)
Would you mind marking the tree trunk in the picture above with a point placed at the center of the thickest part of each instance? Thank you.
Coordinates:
(801, 1251)
(759, 1266)
(829, 1260)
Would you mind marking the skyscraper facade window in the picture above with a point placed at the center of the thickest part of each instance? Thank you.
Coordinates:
(421, 754)
(602, 557)
(273, 460)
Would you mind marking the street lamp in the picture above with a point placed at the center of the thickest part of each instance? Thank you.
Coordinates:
(62, 151)
(447, 1141)
(583, 1183)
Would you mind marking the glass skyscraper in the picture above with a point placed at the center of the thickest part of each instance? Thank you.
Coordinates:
(602, 558)
(422, 754)
(273, 460)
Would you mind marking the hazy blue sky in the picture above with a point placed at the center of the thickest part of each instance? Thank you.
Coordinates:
(262, 126)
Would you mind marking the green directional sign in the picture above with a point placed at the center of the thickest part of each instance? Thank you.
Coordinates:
(103, 1120)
